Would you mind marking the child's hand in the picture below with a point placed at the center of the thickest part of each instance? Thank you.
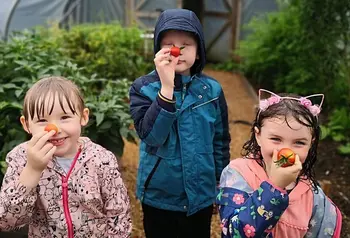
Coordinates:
(283, 176)
(40, 151)
(165, 65)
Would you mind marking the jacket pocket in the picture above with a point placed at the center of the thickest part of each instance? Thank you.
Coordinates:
(204, 103)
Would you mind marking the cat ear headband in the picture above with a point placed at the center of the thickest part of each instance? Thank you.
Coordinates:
(267, 98)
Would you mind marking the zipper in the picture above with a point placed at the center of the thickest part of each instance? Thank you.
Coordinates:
(205, 103)
(65, 197)
(66, 207)
(183, 92)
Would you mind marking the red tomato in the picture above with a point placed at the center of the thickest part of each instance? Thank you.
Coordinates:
(176, 51)
(285, 157)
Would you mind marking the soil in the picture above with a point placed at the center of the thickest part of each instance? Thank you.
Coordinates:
(241, 100)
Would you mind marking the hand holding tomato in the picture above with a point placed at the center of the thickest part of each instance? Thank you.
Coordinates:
(282, 176)
(165, 66)
(40, 151)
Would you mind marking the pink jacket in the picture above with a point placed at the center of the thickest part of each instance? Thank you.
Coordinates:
(308, 214)
(89, 201)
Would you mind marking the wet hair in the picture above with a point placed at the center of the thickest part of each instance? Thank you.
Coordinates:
(284, 109)
(40, 98)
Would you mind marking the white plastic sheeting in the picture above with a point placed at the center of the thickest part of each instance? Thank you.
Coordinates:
(30, 13)
(21, 14)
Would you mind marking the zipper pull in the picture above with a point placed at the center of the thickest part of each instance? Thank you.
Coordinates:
(64, 182)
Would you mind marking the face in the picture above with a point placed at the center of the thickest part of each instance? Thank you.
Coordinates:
(276, 133)
(189, 53)
(69, 124)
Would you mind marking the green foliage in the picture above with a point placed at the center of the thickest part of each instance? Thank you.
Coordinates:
(28, 57)
(108, 50)
(338, 129)
(303, 48)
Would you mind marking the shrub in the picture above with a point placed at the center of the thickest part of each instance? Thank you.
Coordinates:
(28, 57)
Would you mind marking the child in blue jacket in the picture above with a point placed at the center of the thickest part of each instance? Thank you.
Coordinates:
(180, 115)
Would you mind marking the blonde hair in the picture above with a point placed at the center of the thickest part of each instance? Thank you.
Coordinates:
(36, 100)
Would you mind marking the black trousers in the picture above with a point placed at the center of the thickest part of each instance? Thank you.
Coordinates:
(160, 223)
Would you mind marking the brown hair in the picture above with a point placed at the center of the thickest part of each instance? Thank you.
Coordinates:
(286, 108)
(37, 97)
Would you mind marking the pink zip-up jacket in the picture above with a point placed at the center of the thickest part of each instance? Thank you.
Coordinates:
(89, 201)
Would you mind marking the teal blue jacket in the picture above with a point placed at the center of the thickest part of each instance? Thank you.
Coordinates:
(184, 146)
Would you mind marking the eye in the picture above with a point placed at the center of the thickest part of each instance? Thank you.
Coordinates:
(275, 139)
(41, 120)
(65, 117)
(300, 143)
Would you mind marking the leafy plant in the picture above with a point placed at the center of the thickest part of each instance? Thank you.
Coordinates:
(109, 50)
(338, 129)
(28, 57)
(304, 49)
(300, 49)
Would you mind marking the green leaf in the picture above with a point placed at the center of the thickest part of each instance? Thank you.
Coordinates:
(99, 118)
(9, 86)
(18, 92)
(21, 62)
(344, 149)
(338, 137)
(105, 125)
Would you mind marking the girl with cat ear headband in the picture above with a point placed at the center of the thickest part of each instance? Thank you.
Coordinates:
(259, 198)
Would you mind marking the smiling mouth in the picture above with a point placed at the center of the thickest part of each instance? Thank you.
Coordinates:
(57, 142)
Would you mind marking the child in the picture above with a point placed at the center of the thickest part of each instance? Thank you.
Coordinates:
(260, 198)
(61, 184)
(180, 115)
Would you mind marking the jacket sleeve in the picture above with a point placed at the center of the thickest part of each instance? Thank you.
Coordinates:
(248, 213)
(222, 137)
(152, 122)
(17, 203)
(326, 220)
(116, 199)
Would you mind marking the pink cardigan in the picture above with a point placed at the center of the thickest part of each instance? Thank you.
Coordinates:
(89, 201)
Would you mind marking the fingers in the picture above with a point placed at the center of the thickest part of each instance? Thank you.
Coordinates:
(36, 137)
(47, 147)
(49, 155)
(297, 164)
(161, 58)
(162, 51)
(42, 141)
(164, 62)
(274, 155)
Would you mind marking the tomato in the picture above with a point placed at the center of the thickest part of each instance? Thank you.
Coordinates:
(51, 127)
(285, 157)
(176, 51)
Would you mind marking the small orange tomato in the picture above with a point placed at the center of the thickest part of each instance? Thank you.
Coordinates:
(51, 127)
(285, 157)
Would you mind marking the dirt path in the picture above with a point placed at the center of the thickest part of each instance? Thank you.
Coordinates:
(240, 101)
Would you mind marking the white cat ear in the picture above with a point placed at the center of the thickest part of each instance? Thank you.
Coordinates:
(316, 99)
(265, 94)
(267, 98)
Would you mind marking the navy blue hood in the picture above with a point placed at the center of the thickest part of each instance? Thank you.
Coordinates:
(183, 20)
